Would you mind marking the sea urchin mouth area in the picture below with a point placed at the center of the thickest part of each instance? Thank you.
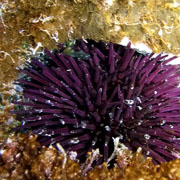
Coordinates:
(83, 95)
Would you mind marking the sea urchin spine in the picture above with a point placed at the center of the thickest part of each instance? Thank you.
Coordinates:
(102, 90)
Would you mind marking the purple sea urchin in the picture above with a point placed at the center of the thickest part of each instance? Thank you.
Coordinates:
(82, 96)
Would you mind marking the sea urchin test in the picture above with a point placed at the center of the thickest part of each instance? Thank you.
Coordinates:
(85, 94)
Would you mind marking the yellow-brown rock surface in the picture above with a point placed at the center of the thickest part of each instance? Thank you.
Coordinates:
(23, 159)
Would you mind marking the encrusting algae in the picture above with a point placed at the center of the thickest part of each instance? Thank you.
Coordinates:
(22, 158)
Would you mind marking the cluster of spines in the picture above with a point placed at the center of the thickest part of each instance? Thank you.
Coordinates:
(83, 103)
